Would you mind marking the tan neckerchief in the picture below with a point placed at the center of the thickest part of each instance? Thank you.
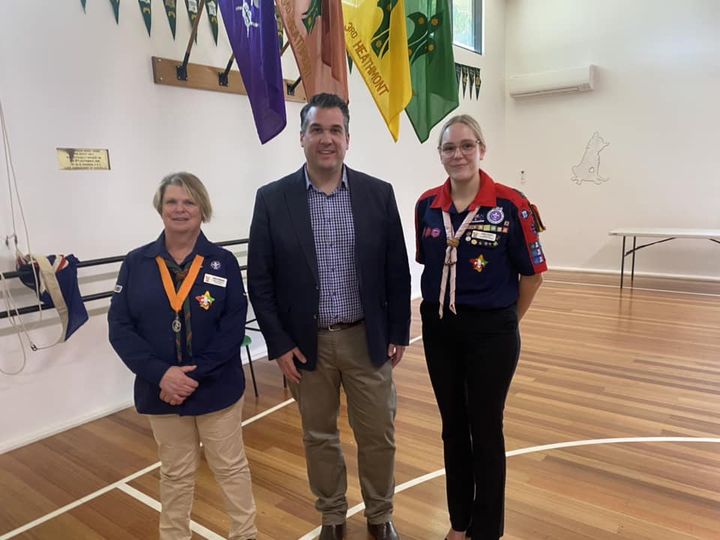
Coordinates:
(453, 241)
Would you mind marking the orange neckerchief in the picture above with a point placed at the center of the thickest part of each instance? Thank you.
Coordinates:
(176, 298)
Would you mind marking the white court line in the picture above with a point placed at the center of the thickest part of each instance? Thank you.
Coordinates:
(619, 440)
(269, 411)
(155, 505)
(521, 451)
(628, 288)
(76, 503)
(119, 484)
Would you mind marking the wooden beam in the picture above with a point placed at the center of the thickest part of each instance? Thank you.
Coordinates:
(202, 77)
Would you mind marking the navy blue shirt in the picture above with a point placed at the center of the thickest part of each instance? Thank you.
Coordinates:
(500, 244)
(140, 320)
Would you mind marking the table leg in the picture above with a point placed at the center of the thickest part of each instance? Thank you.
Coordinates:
(622, 263)
(632, 272)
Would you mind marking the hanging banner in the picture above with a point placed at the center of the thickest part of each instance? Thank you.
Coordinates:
(82, 2)
(317, 39)
(465, 76)
(478, 82)
(146, 10)
(116, 9)
(435, 90)
(211, 7)
(192, 9)
(252, 31)
(171, 12)
(281, 34)
(376, 38)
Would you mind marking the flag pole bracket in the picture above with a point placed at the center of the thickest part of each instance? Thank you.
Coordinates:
(204, 77)
(223, 76)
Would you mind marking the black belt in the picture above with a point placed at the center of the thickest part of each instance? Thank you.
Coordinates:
(339, 326)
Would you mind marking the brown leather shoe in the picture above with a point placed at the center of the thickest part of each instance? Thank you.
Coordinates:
(383, 531)
(332, 532)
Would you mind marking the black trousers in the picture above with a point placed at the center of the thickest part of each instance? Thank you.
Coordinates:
(471, 358)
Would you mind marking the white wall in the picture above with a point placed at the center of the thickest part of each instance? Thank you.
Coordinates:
(69, 79)
(655, 103)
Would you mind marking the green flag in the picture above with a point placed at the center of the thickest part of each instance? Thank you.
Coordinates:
(192, 9)
(432, 64)
(116, 9)
(146, 10)
(211, 6)
(171, 11)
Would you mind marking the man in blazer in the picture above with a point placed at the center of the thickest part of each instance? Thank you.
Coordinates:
(329, 282)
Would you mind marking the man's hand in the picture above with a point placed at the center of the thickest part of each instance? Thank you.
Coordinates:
(395, 353)
(287, 366)
(175, 386)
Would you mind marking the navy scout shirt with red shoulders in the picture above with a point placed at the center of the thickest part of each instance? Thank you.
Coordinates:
(500, 244)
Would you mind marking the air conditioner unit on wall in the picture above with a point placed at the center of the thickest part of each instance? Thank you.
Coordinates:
(552, 82)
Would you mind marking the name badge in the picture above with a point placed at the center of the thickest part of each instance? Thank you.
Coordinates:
(215, 280)
(482, 235)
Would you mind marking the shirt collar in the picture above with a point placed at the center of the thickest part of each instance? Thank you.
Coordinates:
(343, 180)
(203, 247)
(485, 195)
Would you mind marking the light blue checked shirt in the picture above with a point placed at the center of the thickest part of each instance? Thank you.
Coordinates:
(334, 232)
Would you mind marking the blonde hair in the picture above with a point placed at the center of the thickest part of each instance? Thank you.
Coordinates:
(194, 187)
(467, 120)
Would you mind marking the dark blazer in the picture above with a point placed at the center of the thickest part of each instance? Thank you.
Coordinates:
(283, 277)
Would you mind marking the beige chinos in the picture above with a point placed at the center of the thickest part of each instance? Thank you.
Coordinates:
(178, 439)
(343, 360)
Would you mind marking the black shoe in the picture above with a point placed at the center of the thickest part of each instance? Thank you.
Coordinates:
(383, 531)
(332, 532)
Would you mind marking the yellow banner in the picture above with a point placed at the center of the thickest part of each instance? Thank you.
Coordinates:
(376, 38)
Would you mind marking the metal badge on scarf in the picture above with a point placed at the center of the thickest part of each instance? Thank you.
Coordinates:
(177, 298)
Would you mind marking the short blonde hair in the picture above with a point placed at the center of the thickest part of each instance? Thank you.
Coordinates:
(194, 187)
(470, 122)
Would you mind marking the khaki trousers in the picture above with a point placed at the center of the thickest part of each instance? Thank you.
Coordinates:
(343, 359)
(178, 439)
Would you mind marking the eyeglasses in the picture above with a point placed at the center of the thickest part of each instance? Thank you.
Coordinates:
(466, 148)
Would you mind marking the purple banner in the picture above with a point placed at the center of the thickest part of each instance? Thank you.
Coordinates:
(252, 30)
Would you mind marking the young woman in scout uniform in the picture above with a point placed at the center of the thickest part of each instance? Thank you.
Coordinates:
(177, 319)
(478, 241)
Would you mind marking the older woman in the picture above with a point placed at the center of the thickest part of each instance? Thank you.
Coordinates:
(177, 320)
(479, 243)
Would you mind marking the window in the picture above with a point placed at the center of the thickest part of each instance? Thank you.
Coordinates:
(467, 16)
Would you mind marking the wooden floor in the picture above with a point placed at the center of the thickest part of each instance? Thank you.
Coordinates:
(624, 387)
